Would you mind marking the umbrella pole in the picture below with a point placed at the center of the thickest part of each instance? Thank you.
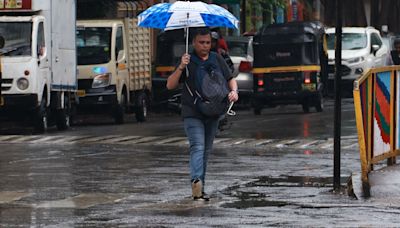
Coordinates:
(187, 32)
(187, 40)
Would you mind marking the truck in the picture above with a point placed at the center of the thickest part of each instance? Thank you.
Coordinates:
(114, 63)
(38, 61)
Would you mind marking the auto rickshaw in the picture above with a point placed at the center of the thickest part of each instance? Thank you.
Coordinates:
(290, 65)
(169, 50)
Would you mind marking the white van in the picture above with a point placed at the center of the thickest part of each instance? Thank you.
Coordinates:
(362, 49)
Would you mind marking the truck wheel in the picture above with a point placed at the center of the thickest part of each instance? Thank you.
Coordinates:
(306, 107)
(63, 116)
(141, 108)
(319, 106)
(119, 113)
(41, 118)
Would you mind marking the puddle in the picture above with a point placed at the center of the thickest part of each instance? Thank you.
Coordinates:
(254, 203)
(249, 199)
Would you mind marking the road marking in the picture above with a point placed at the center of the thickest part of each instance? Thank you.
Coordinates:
(348, 142)
(49, 139)
(96, 139)
(310, 144)
(8, 137)
(170, 140)
(9, 196)
(286, 143)
(141, 140)
(351, 146)
(67, 139)
(264, 142)
(120, 138)
(25, 138)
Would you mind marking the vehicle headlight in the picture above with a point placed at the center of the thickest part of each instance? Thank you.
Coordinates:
(101, 80)
(356, 60)
(22, 83)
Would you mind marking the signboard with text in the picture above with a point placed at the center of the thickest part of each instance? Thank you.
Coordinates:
(8, 5)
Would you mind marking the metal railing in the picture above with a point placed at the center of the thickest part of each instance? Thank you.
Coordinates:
(377, 108)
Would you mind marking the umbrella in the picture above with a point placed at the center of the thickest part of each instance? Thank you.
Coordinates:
(185, 14)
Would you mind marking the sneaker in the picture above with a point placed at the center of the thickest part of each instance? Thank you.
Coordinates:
(196, 189)
(201, 198)
(205, 196)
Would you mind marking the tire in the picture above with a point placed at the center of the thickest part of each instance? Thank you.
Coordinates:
(319, 106)
(257, 111)
(305, 106)
(119, 112)
(141, 107)
(40, 121)
(63, 116)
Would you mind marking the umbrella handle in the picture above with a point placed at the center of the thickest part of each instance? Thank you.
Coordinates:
(230, 112)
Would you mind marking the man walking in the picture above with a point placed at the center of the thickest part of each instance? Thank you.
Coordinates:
(200, 129)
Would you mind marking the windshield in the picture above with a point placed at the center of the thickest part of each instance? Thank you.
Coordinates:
(237, 48)
(93, 45)
(350, 41)
(17, 38)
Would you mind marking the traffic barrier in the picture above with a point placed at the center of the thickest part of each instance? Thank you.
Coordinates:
(377, 108)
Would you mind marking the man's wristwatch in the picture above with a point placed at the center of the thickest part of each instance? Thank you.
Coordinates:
(236, 91)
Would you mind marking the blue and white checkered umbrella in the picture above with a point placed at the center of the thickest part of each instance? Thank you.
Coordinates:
(184, 14)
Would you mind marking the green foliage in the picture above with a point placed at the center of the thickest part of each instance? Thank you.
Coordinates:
(267, 3)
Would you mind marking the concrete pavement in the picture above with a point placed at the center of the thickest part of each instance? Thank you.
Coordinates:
(99, 185)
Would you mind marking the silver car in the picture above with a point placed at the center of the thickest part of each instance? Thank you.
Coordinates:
(241, 53)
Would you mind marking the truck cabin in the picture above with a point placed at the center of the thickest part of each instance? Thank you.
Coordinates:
(93, 45)
(22, 27)
(23, 37)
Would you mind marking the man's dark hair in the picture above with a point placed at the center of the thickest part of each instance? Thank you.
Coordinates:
(202, 31)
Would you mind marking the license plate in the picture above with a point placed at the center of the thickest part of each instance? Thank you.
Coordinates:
(81, 93)
(1, 101)
(310, 87)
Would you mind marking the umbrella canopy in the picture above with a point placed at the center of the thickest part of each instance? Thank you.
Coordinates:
(184, 14)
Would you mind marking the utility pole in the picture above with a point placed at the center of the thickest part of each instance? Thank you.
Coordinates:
(338, 96)
(243, 17)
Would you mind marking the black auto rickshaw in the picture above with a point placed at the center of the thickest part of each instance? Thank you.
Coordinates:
(290, 65)
(171, 45)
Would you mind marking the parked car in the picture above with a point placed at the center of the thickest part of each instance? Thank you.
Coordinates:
(362, 49)
(388, 40)
(241, 53)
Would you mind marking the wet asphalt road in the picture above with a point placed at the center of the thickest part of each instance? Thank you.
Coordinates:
(46, 181)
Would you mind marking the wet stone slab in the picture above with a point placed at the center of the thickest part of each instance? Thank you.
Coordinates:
(9, 196)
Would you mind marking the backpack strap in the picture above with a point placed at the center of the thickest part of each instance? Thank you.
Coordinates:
(211, 57)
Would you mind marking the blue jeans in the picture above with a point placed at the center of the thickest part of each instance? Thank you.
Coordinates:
(201, 134)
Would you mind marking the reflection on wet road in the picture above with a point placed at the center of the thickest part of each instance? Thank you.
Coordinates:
(272, 170)
(75, 185)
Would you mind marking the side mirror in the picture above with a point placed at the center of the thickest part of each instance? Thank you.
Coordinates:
(375, 48)
(120, 55)
(40, 51)
(2, 41)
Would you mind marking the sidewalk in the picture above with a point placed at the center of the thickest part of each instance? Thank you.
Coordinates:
(384, 183)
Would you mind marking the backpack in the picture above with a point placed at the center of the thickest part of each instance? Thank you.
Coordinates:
(211, 88)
